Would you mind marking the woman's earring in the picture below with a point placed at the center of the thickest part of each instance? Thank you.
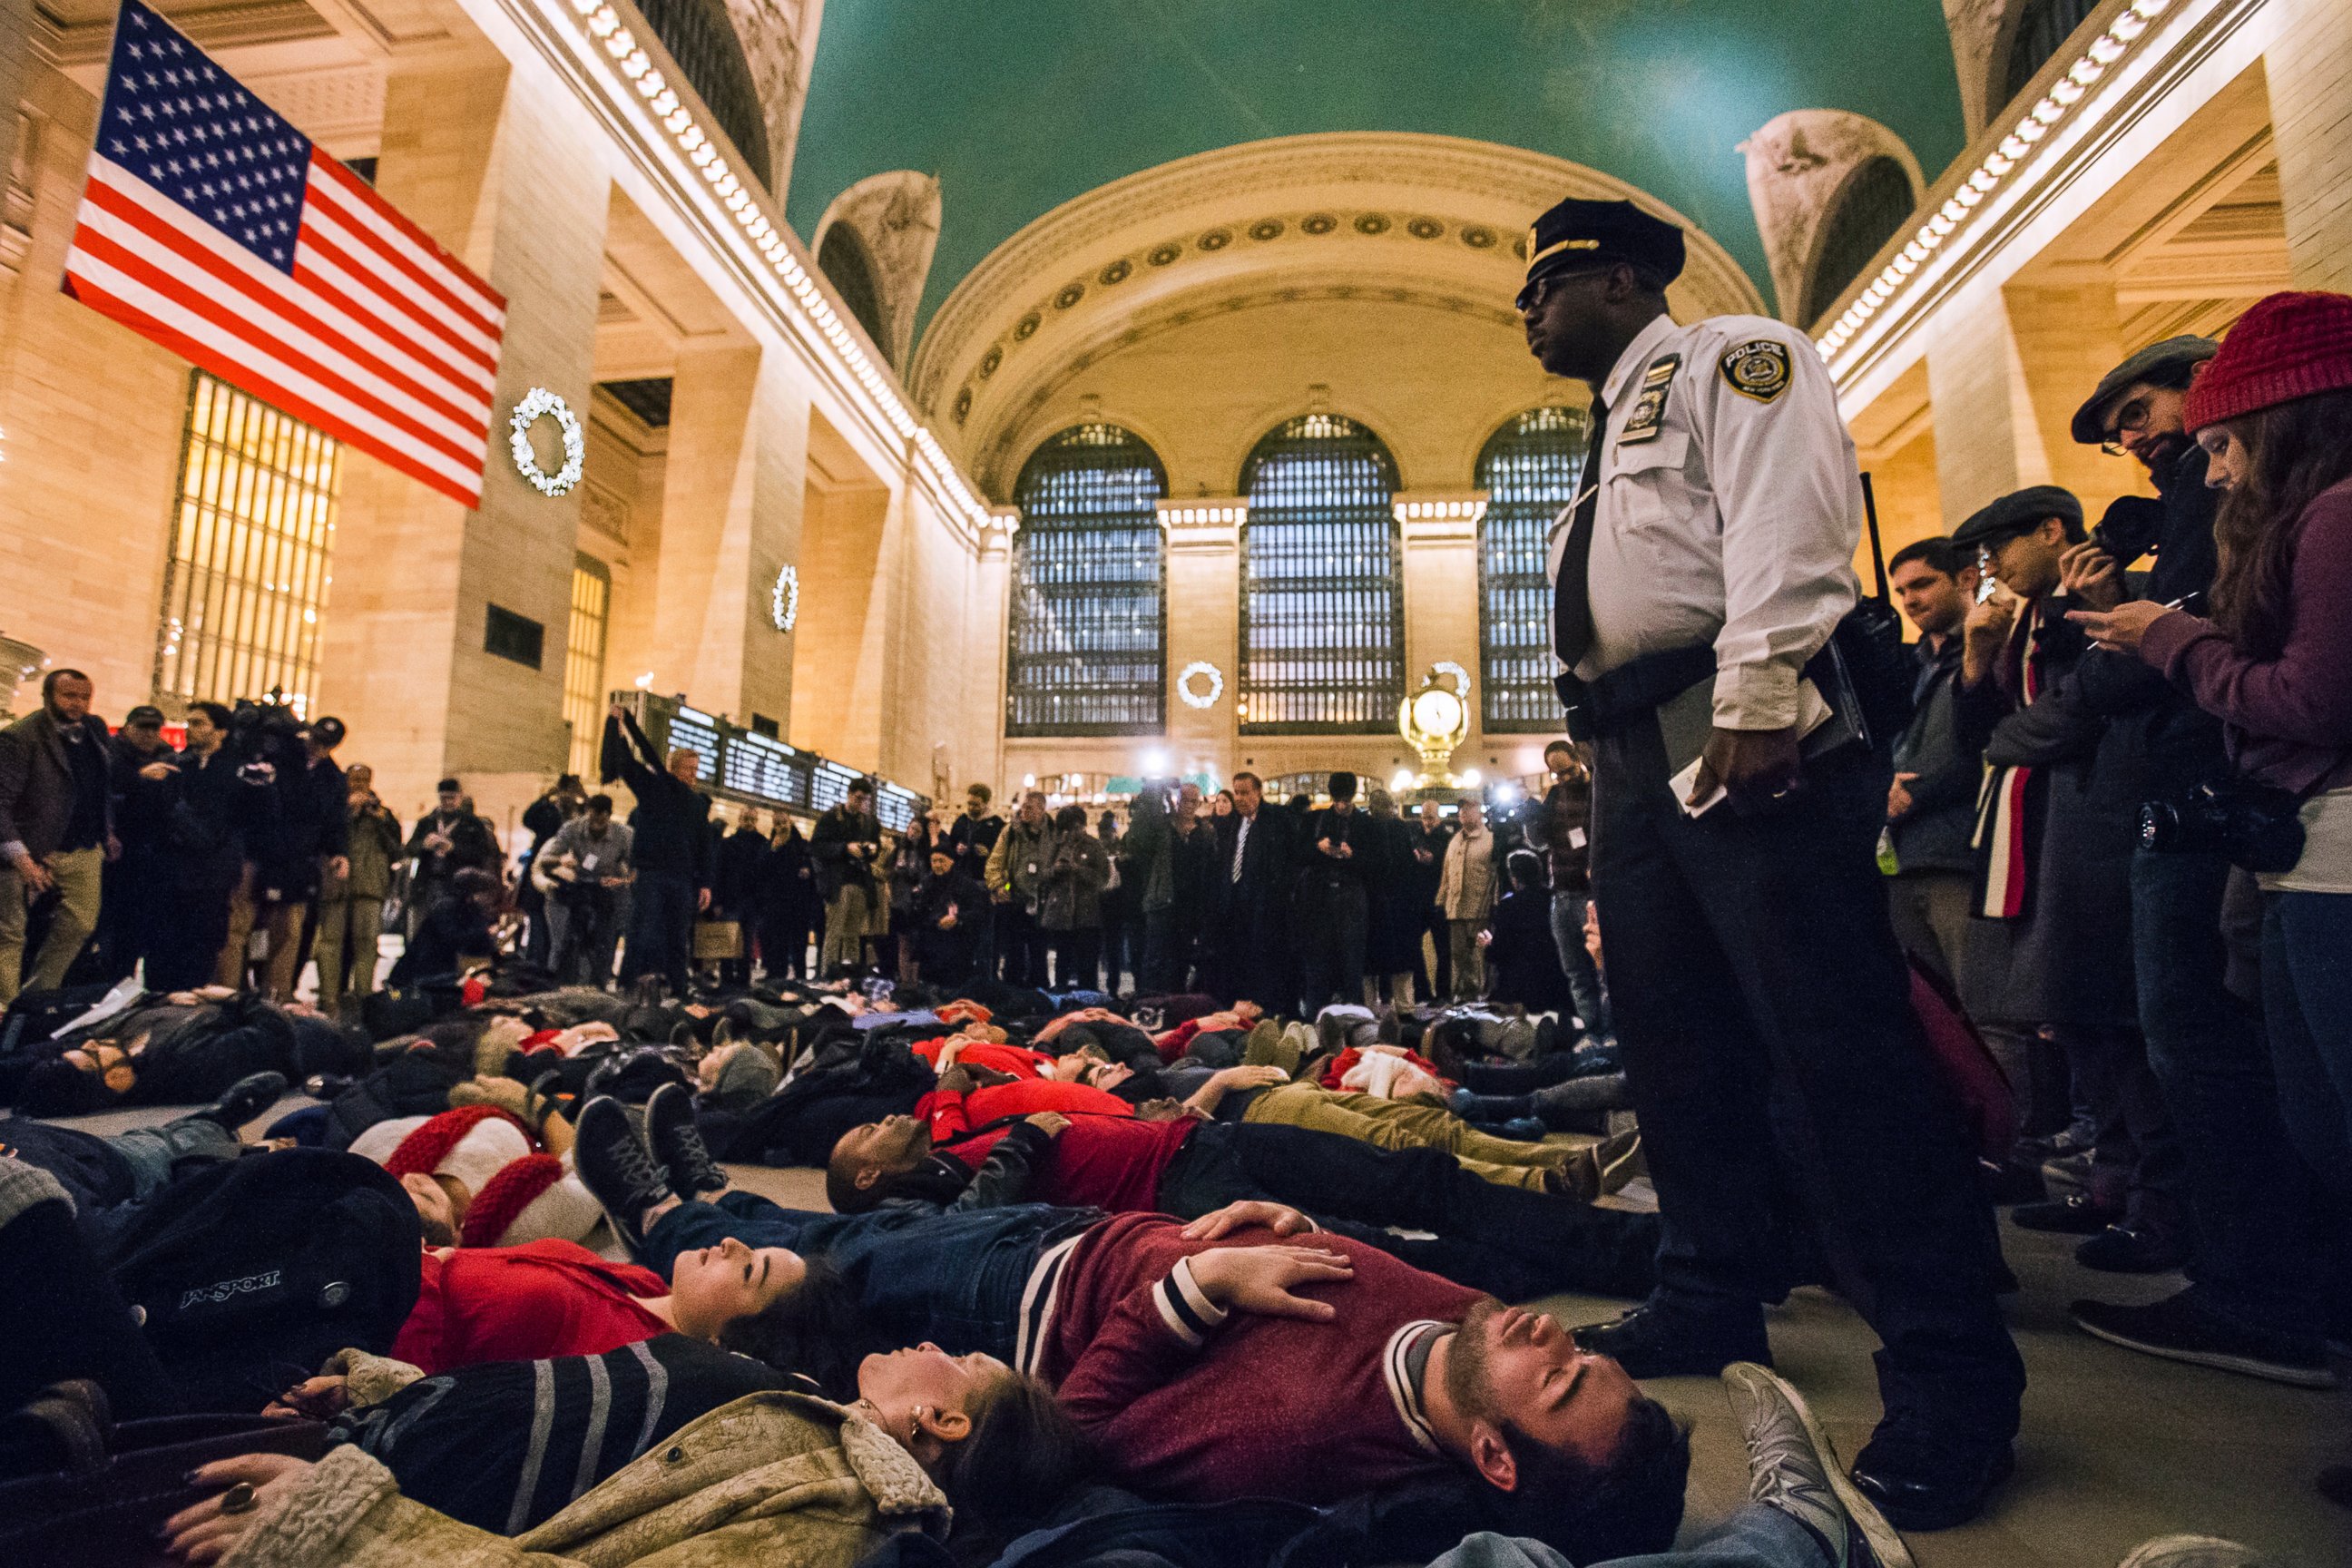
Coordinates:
(915, 1425)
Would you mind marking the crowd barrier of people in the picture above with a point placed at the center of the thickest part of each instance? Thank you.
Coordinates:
(1184, 1177)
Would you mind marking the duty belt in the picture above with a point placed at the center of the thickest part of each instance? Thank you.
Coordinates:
(1609, 703)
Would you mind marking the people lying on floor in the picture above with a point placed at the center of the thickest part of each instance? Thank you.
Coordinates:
(1417, 1378)
(775, 1476)
(1512, 1242)
(458, 930)
(479, 1177)
(109, 1176)
(186, 1048)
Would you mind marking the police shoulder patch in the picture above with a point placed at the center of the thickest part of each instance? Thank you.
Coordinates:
(1758, 369)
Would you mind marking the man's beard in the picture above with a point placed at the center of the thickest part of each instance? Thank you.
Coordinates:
(2162, 453)
(1469, 1384)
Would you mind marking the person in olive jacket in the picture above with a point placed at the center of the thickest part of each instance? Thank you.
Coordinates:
(351, 909)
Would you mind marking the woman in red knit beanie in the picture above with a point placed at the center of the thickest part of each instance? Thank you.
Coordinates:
(2273, 410)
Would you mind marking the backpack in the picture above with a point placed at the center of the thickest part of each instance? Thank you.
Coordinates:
(248, 1276)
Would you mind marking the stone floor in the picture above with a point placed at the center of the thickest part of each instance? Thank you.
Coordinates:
(2117, 1448)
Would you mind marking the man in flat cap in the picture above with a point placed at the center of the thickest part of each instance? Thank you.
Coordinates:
(2251, 1305)
(1697, 579)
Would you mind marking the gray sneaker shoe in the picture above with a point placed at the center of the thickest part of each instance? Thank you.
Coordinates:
(1792, 1467)
(2193, 1551)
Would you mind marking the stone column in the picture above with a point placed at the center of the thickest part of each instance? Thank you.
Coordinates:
(2310, 73)
(1441, 584)
(1204, 620)
(1988, 442)
(731, 502)
(2067, 338)
(502, 166)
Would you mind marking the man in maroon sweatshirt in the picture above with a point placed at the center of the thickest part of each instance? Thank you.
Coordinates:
(1506, 1241)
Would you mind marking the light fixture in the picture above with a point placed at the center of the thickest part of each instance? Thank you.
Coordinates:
(1472, 778)
(1155, 763)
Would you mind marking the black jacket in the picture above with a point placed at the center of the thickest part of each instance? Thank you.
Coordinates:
(742, 857)
(672, 822)
(1934, 835)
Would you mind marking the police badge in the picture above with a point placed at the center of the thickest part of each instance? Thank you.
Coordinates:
(1758, 369)
(1649, 416)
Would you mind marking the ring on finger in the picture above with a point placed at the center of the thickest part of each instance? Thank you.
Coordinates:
(239, 1499)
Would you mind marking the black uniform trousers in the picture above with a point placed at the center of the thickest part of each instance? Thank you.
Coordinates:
(1743, 948)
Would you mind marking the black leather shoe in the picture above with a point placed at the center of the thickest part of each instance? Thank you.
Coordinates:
(245, 1098)
(2178, 1329)
(1666, 1340)
(1924, 1479)
(2133, 1249)
(2072, 1215)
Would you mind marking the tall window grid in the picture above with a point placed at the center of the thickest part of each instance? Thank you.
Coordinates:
(583, 659)
(1322, 601)
(1530, 471)
(251, 539)
(1087, 643)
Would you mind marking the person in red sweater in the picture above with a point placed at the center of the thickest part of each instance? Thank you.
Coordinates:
(1514, 1243)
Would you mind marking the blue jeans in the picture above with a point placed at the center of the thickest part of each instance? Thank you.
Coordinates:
(661, 929)
(2249, 1200)
(2307, 1002)
(1583, 975)
(1758, 1536)
(953, 1278)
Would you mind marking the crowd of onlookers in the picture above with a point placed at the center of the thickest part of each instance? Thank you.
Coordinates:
(1127, 1126)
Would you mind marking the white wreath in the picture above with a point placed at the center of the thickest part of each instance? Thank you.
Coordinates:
(536, 402)
(1216, 684)
(784, 598)
(1461, 677)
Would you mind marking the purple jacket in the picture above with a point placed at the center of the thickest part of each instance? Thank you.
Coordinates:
(2289, 718)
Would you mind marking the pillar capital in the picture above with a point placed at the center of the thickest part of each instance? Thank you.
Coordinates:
(1435, 517)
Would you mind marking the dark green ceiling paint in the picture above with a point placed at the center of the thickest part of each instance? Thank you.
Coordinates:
(1019, 105)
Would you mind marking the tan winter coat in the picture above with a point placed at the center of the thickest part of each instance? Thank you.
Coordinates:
(1467, 890)
(784, 1480)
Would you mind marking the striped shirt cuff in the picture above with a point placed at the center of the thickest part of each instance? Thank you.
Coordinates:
(1185, 1308)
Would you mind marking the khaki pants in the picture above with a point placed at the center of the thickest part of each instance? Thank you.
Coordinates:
(282, 921)
(77, 873)
(848, 918)
(1469, 959)
(1930, 910)
(1415, 1124)
(351, 917)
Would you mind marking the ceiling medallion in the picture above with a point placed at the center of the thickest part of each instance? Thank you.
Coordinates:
(535, 403)
(1027, 325)
(1200, 669)
(784, 598)
(1425, 229)
(1265, 228)
(1162, 254)
(1317, 223)
(1371, 223)
(989, 360)
(1070, 295)
(1478, 237)
(1215, 239)
(1117, 272)
(962, 404)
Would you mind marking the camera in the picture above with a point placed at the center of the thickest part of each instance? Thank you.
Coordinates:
(2256, 826)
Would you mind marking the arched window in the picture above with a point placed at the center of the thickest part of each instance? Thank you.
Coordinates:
(1087, 650)
(1322, 599)
(2042, 27)
(842, 259)
(1530, 471)
(1874, 202)
(700, 36)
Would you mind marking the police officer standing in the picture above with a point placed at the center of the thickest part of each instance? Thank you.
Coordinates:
(1737, 796)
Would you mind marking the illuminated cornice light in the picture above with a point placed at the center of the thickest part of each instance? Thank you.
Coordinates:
(1453, 509)
(667, 113)
(2069, 89)
(1179, 514)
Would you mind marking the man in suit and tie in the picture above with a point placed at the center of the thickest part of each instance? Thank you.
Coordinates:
(1255, 872)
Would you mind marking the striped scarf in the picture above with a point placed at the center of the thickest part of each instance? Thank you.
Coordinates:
(2003, 841)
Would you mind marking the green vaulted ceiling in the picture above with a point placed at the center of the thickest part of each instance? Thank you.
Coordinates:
(1019, 105)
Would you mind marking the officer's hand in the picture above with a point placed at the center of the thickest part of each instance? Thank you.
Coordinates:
(2090, 574)
(1752, 765)
(156, 772)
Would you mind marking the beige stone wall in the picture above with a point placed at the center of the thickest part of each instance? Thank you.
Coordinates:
(2310, 70)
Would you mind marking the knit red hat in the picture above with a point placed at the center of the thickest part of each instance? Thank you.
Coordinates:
(2287, 346)
(430, 1148)
(530, 1199)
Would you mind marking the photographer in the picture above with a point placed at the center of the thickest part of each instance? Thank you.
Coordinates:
(843, 850)
(351, 907)
(445, 841)
(265, 744)
(2272, 411)
(583, 874)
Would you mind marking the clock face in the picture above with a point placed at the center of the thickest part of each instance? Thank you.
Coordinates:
(1437, 712)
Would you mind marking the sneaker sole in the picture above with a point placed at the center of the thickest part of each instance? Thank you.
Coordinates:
(1885, 1545)
(2245, 1366)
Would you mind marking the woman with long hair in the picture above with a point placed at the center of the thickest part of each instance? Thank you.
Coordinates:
(2274, 662)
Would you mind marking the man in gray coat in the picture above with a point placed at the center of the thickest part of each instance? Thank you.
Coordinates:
(1931, 810)
(56, 829)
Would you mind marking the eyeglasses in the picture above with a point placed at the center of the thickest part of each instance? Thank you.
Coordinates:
(2130, 420)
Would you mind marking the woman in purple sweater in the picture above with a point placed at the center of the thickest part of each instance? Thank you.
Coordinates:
(2273, 410)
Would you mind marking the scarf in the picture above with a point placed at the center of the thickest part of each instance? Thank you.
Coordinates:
(2005, 839)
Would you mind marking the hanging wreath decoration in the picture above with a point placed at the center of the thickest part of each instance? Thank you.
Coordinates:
(1201, 667)
(536, 402)
(784, 598)
(1461, 677)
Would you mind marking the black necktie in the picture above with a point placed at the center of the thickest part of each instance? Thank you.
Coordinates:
(1571, 603)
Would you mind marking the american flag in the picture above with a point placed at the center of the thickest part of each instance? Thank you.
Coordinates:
(213, 227)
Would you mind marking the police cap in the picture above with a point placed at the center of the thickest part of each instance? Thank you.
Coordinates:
(1577, 234)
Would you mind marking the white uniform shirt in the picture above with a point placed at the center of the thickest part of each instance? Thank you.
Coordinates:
(1729, 512)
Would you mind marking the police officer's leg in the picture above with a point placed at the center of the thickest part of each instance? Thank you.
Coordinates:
(1793, 899)
(1693, 1062)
